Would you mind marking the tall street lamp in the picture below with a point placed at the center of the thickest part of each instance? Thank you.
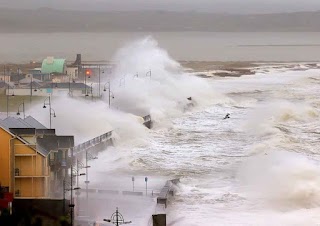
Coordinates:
(71, 205)
(117, 219)
(65, 189)
(70, 91)
(79, 166)
(8, 94)
(51, 111)
(148, 74)
(23, 110)
(35, 89)
(87, 73)
(91, 90)
(88, 157)
(99, 82)
(110, 93)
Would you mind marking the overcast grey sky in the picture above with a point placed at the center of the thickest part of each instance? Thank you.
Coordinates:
(220, 6)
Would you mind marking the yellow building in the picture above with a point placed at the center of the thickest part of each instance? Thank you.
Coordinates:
(24, 170)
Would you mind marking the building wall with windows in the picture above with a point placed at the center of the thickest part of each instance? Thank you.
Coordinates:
(23, 169)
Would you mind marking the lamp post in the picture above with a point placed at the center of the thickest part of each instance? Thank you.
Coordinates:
(87, 72)
(70, 84)
(71, 205)
(35, 89)
(51, 111)
(132, 183)
(91, 90)
(110, 93)
(146, 180)
(64, 195)
(18, 113)
(117, 219)
(99, 81)
(8, 93)
(88, 157)
(148, 74)
(78, 167)
(65, 189)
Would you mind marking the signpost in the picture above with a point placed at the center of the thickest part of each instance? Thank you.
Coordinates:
(146, 180)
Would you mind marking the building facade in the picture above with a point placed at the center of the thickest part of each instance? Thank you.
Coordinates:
(24, 169)
(33, 159)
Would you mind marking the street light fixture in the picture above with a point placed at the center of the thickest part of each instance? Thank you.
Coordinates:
(110, 93)
(31, 84)
(64, 193)
(87, 73)
(54, 113)
(91, 91)
(50, 109)
(99, 82)
(88, 157)
(148, 74)
(18, 113)
(72, 205)
(117, 219)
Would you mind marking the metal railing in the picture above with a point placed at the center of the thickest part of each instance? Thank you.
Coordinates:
(90, 143)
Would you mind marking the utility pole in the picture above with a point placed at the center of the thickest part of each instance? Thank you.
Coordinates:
(64, 196)
(31, 80)
(99, 82)
(146, 180)
(50, 109)
(71, 201)
(87, 183)
(133, 184)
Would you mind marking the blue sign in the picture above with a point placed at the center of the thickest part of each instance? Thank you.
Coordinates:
(146, 179)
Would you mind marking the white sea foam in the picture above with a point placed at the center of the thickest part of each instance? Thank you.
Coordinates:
(283, 179)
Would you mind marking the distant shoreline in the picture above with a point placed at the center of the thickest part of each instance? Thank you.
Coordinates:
(48, 20)
(208, 69)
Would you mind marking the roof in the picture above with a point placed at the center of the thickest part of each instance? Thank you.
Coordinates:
(5, 84)
(39, 149)
(16, 77)
(51, 65)
(28, 80)
(34, 123)
(29, 122)
(33, 85)
(66, 85)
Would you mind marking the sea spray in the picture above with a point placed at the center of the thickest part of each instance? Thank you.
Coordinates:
(263, 119)
(146, 80)
(281, 179)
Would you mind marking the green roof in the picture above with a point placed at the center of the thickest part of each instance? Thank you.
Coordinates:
(53, 65)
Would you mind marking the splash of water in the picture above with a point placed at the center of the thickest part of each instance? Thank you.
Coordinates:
(281, 179)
